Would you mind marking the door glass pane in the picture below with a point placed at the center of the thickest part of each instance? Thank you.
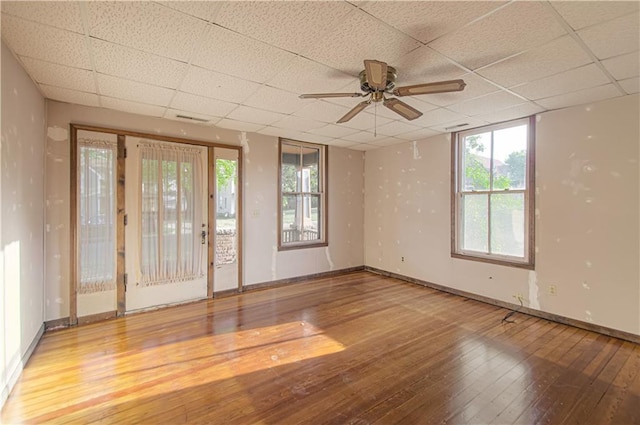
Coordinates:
(475, 223)
(507, 224)
(510, 158)
(97, 212)
(476, 162)
(169, 216)
(226, 222)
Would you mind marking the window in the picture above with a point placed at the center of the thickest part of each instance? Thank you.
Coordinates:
(493, 181)
(302, 198)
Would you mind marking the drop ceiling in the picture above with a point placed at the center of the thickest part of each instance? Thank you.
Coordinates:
(241, 65)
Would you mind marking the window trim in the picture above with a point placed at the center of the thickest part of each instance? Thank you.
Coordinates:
(529, 199)
(324, 196)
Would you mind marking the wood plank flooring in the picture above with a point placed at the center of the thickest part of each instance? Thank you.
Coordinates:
(353, 349)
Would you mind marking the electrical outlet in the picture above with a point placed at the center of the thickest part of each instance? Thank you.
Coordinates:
(552, 290)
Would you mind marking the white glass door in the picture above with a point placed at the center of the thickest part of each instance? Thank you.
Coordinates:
(165, 235)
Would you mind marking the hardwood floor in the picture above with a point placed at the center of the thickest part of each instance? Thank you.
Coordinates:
(358, 348)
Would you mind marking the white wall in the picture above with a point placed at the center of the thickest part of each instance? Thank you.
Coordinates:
(262, 261)
(21, 219)
(587, 208)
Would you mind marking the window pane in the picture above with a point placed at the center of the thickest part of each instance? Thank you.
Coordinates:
(310, 166)
(510, 158)
(291, 218)
(226, 224)
(475, 223)
(476, 160)
(290, 179)
(311, 219)
(507, 224)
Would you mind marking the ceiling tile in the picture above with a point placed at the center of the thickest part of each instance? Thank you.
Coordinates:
(360, 137)
(475, 86)
(396, 127)
(358, 37)
(438, 116)
(580, 14)
(202, 105)
(218, 86)
(59, 14)
(423, 133)
(459, 125)
(144, 26)
(554, 57)
(38, 41)
(593, 94)
(366, 121)
(133, 107)
(512, 29)
(512, 113)
(238, 125)
(206, 10)
(173, 114)
(255, 116)
(132, 64)
(379, 110)
(631, 85)
(386, 141)
(426, 21)
(363, 147)
(234, 54)
(322, 111)
(333, 131)
(294, 135)
(305, 76)
(275, 100)
(624, 66)
(134, 91)
(485, 104)
(340, 143)
(60, 75)
(613, 38)
(292, 122)
(425, 65)
(69, 96)
(292, 26)
(575, 79)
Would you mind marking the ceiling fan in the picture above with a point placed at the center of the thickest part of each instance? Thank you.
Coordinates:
(378, 78)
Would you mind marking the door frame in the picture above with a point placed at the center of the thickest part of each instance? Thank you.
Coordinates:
(121, 211)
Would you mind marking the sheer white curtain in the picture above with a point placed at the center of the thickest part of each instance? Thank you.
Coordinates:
(171, 208)
(97, 215)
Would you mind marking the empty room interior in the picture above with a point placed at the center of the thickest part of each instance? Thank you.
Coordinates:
(320, 212)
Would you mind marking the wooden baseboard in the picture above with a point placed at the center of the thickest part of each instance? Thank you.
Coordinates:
(299, 279)
(55, 324)
(627, 336)
(85, 320)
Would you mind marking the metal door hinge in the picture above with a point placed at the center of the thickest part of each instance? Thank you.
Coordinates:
(126, 219)
(125, 153)
(126, 279)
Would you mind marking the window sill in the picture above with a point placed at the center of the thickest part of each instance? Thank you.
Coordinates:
(290, 247)
(496, 261)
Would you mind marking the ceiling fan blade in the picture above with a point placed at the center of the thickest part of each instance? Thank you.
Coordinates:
(439, 87)
(326, 95)
(401, 108)
(355, 111)
(376, 72)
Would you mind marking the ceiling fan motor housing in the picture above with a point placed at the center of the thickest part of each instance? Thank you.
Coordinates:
(391, 81)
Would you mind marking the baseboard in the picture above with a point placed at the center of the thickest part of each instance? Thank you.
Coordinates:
(17, 370)
(299, 279)
(55, 324)
(627, 336)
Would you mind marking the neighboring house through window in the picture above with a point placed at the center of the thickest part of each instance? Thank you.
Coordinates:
(493, 195)
(302, 196)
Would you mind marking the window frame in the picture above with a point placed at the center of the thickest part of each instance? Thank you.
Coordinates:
(323, 166)
(457, 138)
